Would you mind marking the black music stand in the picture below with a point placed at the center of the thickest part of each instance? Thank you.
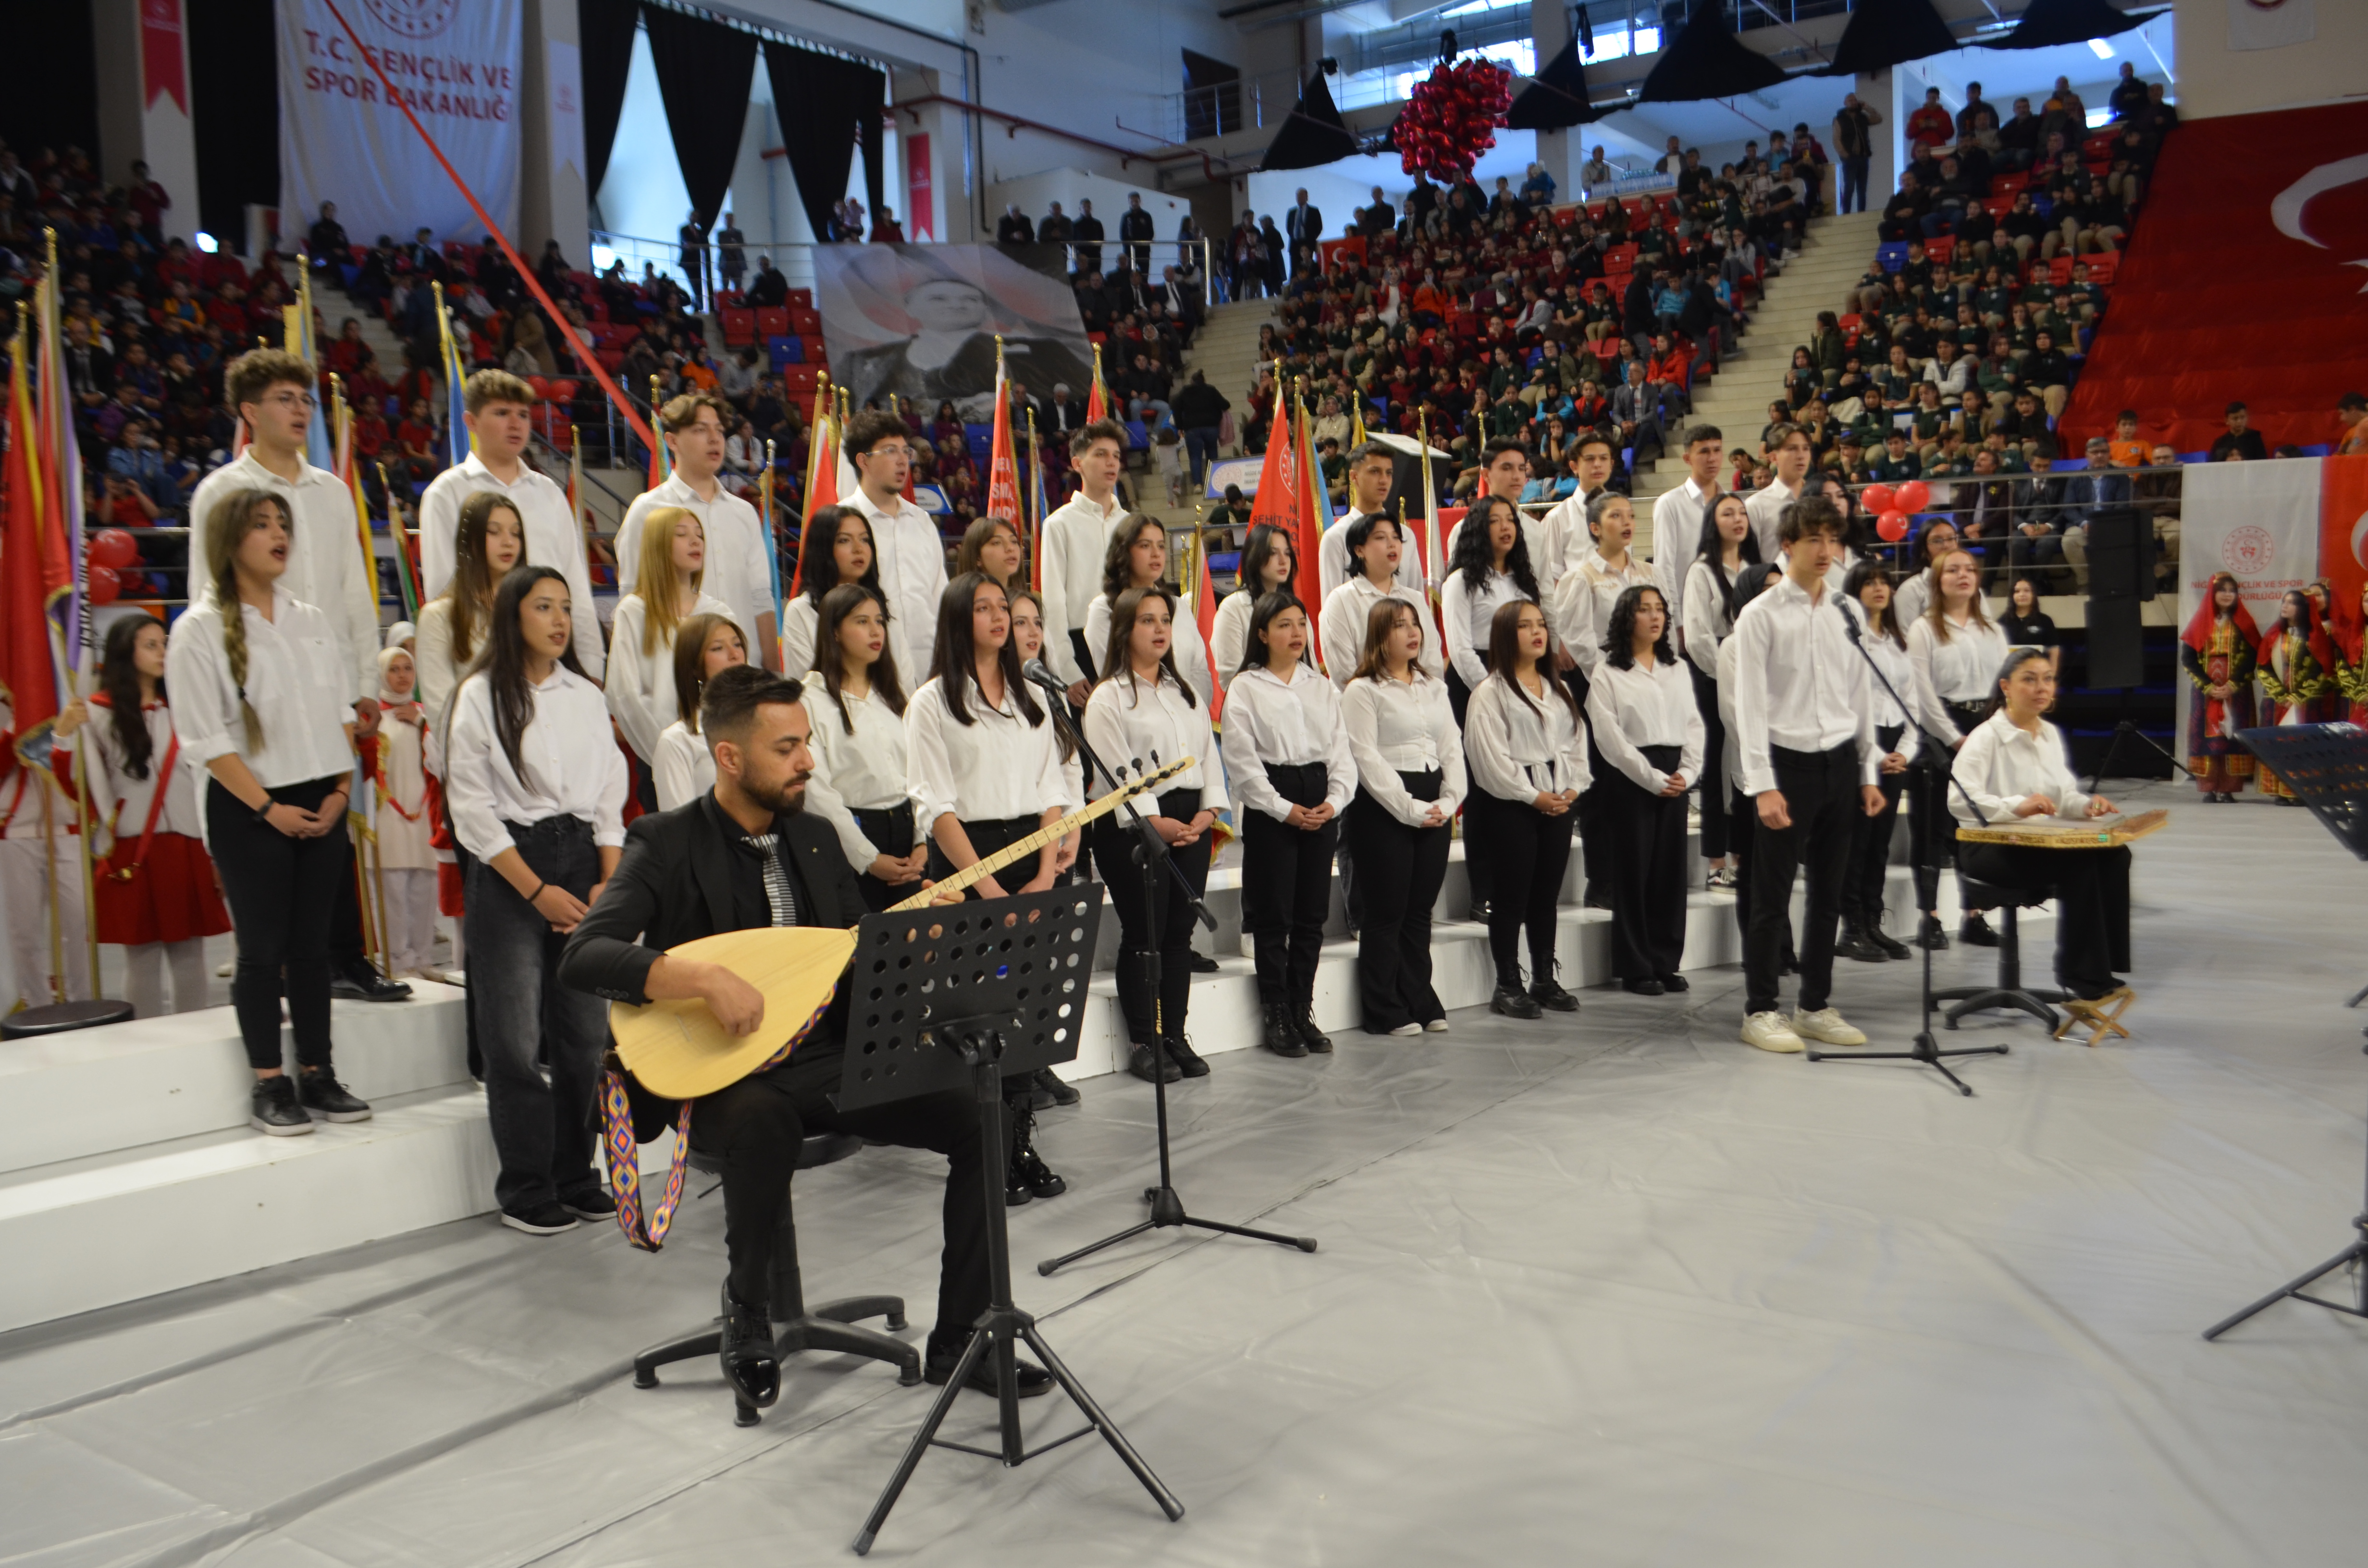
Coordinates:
(2326, 767)
(960, 994)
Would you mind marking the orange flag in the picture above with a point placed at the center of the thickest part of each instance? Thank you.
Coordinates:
(1204, 613)
(1002, 465)
(1278, 500)
(1096, 402)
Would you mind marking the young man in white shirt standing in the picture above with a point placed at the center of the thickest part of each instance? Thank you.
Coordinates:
(739, 566)
(910, 550)
(499, 411)
(1560, 535)
(1372, 468)
(1788, 451)
(1678, 520)
(1804, 727)
(1075, 539)
(272, 393)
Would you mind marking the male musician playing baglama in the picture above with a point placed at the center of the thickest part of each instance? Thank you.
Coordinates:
(742, 856)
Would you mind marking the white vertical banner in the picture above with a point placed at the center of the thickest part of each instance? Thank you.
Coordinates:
(454, 63)
(2259, 522)
(564, 69)
(2271, 24)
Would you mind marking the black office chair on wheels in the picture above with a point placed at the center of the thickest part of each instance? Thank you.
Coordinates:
(830, 1327)
(2009, 991)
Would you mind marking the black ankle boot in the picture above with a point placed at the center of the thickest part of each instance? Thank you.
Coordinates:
(1853, 943)
(749, 1364)
(1930, 936)
(1302, 1018)
(1026, 1175)
(1888, 945)
(1281, 1035)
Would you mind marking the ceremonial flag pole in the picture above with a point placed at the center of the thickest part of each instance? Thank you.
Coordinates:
(772, 542)
(661, 459)
(1097, 399)
(458, 439)
(1002, 467)
(64, 570)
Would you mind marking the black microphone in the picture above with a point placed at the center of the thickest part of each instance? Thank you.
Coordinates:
(1849, 625)
(1038, 673)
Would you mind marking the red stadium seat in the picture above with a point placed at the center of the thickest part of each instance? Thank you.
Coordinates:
(739, 328)
(810, 349)
(803, 322)
(773, 321)
(2103, 265)
(1939, 248)
(2059, 270)
(799, 378)
(801, 300)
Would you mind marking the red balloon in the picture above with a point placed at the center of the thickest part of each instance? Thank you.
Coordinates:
(104, 584)
(1892, 526)
(1913, 495)
(1877, 499)
(113, 547)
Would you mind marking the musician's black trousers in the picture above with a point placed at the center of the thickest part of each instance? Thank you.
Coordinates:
(756, 1127)
(1820, 791)
(2092, 905)
(1170, 933)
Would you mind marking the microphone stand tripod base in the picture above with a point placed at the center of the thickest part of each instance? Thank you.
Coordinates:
(1925, 1052)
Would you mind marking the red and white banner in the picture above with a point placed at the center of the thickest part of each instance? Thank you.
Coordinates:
(2242, 283)
(920, 192)
(161, 69)
(458, 66)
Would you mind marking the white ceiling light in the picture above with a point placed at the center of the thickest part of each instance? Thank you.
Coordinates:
(2102, 50)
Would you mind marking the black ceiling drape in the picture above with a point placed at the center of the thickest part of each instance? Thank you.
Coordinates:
(1315, 134)
(2051, 22)
(1555, 98)
(1883, 33)
(704, 70)
(1706, 60)
(606, 28)
(234, 116)
(51, 99)
(827, 107)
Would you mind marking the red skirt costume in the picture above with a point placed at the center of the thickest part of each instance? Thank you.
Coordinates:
(156, 883)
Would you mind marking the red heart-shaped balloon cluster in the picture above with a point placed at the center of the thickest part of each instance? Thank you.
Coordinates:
(1451, 119)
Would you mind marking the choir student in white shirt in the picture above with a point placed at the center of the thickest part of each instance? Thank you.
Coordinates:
(2015, 767)
(1374, 549)
(156, 890)
(1953, 652)
(982, 765)
(641, 652)
(684, 769)
(1742, 814)
(836, 549)
(1074, 541)
(1141, 716)
(1372, 468)
(1137, 558)
(905, 539)
(537, 792)
(1725, 547)
(1804, 727)
(1288, 761)
(1914, 593)
(739, 551)
(1410, 780)
(262, 702)
(1868, 599)
(856, 699)
(406, 860)
(1269, 563)
(1640, 710)
(1580, 605)
(990, 546)
(1525, 742)
(1488, 568)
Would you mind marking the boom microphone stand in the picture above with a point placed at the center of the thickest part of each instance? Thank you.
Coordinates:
(2123, 731)
(1926, 1049)
(1150, 851)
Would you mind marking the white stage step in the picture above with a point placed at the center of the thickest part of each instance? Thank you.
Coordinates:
(131, 1169)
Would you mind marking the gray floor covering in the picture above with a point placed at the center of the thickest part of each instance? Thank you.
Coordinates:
(1616, 1291)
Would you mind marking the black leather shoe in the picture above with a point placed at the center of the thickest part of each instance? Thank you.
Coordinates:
(1643, 987)
(1549, 995)
(1976, 932)
(1478, 913)
(1311, 1037)
(1181, 1052)
(325, 1099)
(1032, 1379)
(1674, 983)
(274, 1109)
(747, 1354)
(1515, 1004)
(1027, 1170)
(1281, 1035)
(592, 1204)
(363, 983)
(1143, 1063)
(1203, 964)
(1047, 1089)
(1930, 936)
(1890, 946)
(1853, 944)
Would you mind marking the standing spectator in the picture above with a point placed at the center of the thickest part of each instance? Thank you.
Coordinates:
(1013, 227)
(2129, 94)
(2352, 410)
(731, 254)
(2239, 440)
(691, 253)
(1135, 227)
(325, 242)
(1854, 125)
(1199, 409)
(1931, 125)
(1303, 226)
(1087, 232)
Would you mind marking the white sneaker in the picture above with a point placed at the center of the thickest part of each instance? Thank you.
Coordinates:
(1769, 1032)
(1436, 1026)
(1826, 1027)
(1407, 1029)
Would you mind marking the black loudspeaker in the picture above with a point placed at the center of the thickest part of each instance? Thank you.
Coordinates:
(2116, 646)
(2121, 555)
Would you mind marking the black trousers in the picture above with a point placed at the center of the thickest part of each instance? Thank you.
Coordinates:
(281, 891)
(1478, 875)
(2092, 905)
(987, 836)
(1150, 1013)
(1717, 838)
(1287, 889)
(1530, 851)
(1820, 791)
(1646, 836)
(1400, 870)
(1862, 891)
(754, 1128)
(891, 833)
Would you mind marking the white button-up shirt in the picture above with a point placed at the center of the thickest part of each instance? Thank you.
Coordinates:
(1706, 613)
(1765, 507)
(857, 767)
(1348, 609)
(739, 568)
(2002, 766)
(120, 802)
(1287, 723)
(1959, 670)
(1677, 536)
(295, 682)
(996, 768)
(572, 765)
(641, 686)
(1184, 642)
(1519, 747)
(1229, 635)
(325, 568)
(1333, 566)
(1397, 727)
(1137, 729)
(1800, 683)
(1632, 708)
(801, 626)
(684, 768)
(1466, 612)
(554, 539)
(912, 556)
(1583, 601)
(1075, 542)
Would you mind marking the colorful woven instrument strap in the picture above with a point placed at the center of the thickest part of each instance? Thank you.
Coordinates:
(625, 1150)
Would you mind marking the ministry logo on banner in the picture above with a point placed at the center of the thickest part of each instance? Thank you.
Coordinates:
(455, 65)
